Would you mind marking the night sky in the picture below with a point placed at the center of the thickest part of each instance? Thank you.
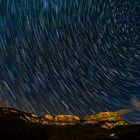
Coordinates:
(70, 56)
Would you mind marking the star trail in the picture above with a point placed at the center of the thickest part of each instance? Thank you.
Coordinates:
(69, 56)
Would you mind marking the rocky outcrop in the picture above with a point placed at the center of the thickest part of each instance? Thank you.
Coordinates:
(110, 119)
(49, 117)
(60, 119)
(66, 118)
(104, 116)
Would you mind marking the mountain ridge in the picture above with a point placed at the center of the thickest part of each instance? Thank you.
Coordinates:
(102, 126)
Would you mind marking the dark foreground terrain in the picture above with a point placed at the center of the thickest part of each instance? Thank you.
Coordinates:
(18, 125)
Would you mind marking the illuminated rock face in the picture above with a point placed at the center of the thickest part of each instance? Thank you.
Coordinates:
(110, 125)
(104, 116)
(34, 115)
(49, 117)
(110, 119)
(59, 119)
(67, 118)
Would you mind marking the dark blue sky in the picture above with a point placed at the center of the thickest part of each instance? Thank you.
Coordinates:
(69, 56)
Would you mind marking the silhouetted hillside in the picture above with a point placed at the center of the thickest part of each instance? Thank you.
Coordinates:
(18, 125)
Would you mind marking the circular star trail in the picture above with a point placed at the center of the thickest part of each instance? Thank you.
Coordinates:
(69, 56)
